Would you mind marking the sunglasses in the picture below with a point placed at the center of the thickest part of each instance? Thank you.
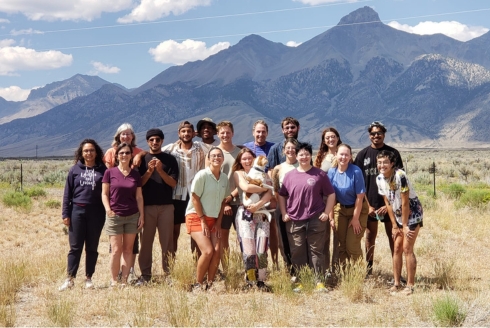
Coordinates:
(124, 153)
(154, 140)
(376, 134)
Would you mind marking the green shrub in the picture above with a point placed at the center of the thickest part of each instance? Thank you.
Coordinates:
(17, 199)
(448, 312)
(455, 190)
(35, 192)
(52, 203)
(474, 198)
(55, 178)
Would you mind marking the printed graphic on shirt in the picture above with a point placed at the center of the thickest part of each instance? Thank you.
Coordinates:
(88, 178)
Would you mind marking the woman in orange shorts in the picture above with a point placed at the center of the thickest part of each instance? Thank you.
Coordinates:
(204, 214)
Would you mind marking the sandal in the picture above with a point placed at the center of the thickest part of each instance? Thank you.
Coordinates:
(394, 289)
(408, 290)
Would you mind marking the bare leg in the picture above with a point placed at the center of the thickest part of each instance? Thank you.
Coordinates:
(213, 265)
(207, 251)
(116, 251)
(127, 254)
(410, 259)
(397, 259)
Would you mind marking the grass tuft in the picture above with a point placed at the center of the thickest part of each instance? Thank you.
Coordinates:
(17, 200)
(444, 273)
(235, 271)
(35, 192)
(182, 269)
(447, 312)
(52, 203)
(61, 312)
(352, 280)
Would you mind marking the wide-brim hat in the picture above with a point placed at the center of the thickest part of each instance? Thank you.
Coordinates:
(205, 120)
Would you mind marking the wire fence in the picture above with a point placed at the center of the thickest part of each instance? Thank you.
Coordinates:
(20, 173)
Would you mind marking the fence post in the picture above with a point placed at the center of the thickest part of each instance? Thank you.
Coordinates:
(21, 178)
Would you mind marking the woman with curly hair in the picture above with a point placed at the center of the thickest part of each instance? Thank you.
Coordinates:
(83, 212)
(329, 144)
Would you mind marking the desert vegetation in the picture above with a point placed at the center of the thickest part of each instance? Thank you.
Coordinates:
(452, 281)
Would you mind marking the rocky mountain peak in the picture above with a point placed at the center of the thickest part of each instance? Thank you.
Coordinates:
(362, 15)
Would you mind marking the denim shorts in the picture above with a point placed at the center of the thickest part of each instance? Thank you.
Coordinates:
(118, 225)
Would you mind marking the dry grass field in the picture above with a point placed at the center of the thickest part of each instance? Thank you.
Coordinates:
(452, 281)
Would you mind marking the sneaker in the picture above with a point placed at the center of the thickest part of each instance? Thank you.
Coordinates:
(197, 288)
(263, 287)
(89, 284)
(320, 288)
(69, 283)
(132, 277)
(298, 288)
(141, 282)
(119, 276)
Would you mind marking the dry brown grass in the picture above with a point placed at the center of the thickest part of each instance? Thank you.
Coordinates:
(452, 251)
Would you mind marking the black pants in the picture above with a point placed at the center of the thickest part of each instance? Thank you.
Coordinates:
(86, 225)
(284, 242)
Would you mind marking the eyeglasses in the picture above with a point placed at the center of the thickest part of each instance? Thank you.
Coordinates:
(124, 153)
(154, 140)
(216, 156)
(373, 134)
(86, 151)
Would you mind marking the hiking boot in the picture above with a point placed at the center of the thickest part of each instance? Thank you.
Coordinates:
(263, 287)
(320, 288)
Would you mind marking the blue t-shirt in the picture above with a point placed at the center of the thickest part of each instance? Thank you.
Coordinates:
(259, 150)
(347, 185)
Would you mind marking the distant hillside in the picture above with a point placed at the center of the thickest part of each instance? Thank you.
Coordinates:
(428, 90)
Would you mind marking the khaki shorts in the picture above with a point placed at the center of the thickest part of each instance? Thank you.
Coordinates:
(119, 225)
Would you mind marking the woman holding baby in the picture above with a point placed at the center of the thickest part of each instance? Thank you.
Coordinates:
(253, 229)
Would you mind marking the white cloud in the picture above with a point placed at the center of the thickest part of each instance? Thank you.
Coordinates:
(149, 10)
(453, 29)
(15, 58)
(172, 52)
(26, 31)
(14, 93)
(293, 43)
(103, 68)
(4, 21)
(318, 2)
(63, 9)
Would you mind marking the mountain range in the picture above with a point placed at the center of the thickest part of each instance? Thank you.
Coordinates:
(430, 91)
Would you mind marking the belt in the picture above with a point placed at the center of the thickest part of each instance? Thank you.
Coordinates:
(347, 206)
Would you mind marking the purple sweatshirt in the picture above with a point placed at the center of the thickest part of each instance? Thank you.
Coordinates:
(83, 186)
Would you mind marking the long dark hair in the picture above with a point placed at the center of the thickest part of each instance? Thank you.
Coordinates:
(118, 149)
(99, 154)
(238, 165)
(323, 150)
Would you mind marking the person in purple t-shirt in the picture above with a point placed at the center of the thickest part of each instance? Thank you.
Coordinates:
(301, 200)
(123, 202)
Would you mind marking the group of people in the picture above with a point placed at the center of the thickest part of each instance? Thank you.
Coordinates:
(205, 184)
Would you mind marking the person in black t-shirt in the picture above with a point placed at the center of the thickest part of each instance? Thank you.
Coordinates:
(159, 173)
(366, 161)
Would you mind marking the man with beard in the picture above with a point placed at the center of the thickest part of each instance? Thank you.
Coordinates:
(159, 175)
(366, 160)
(206, 129)
(190, 159)
(290, 129)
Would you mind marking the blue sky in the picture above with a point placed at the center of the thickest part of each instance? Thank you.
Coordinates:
(131, 41)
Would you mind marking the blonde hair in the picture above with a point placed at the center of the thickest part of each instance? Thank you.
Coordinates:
(223, 124)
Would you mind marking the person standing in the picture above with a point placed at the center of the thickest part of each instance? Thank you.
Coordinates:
(206, 129)
(124, 134)
(190, 158)
(159, 174)
(351, 210)
(406, 215)
(83, 212)
(204, 214)
(230, 152)
(301, 200)
(123, 202)
(260, 146)
(276, 156)
(366, 161)
(253, 229)
(329, 144)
